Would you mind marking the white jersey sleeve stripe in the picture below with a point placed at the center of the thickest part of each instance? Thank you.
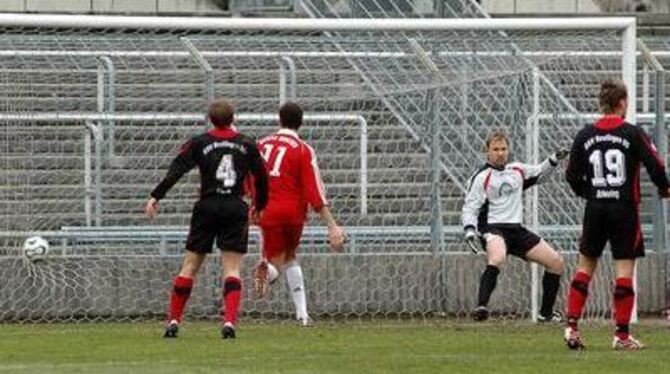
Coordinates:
(317, 176)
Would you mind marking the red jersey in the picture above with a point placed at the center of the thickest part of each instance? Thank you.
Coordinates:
(295, 180)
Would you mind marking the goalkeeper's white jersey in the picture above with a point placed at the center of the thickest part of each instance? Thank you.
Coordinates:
(495, 195)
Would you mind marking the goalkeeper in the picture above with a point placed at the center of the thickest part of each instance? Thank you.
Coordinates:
(492, 215)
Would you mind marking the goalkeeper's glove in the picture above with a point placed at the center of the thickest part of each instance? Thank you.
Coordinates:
(558, 155)
(471, 239)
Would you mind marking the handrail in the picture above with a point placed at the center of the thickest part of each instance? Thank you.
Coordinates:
(86, 117)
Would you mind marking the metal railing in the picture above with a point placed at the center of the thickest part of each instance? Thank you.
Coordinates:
(92, 179)
(661, 137)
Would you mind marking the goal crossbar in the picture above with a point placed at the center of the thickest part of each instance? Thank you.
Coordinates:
(307, 24)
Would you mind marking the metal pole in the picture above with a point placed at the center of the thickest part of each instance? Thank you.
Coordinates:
(534, 153)
(363, 176)
(204, 65)
(433, 117)
(308, 24)
(293, 81)
(645, 88)
(465, 91)
(100, 100)
(87, 177)
(437, 237)
(97, 188)
(629, 68)
(282, 83)
(660, 225)
(660, 234)
(661, 138)
(324, 54)
(98, 176)
(111, 101)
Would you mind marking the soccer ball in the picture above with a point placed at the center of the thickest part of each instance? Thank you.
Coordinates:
(35, 248)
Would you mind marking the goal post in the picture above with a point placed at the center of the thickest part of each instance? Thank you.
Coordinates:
(398, 143)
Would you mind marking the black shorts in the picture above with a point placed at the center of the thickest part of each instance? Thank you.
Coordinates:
(617, 222)
(518, 239)
(223, 219)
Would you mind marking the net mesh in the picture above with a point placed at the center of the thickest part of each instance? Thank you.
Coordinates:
(92, 119)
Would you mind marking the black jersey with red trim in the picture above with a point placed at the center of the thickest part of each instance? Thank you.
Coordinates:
(605, 161)
(224, 158)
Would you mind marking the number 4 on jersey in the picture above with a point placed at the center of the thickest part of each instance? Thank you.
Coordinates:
(226, 171)
(276, 163)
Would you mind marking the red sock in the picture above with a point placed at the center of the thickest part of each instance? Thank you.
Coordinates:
(624, 298)
(181, 290)
(577, 295)
(232, 292)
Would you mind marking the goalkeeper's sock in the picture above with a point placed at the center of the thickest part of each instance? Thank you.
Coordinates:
(181, 290)
(577, 295)
(624, 298)
(296, 284)
(232, 291)
(487, 284)
(550, 284)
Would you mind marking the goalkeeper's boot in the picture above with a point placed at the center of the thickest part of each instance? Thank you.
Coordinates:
(628, 344)
(228, 331)
(481, 313)
(573, 339)
(554, 317)
(261, 279)
(171, 329)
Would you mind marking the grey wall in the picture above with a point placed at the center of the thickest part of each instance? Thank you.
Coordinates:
(349, 286)
(574, 6)
(113, 6)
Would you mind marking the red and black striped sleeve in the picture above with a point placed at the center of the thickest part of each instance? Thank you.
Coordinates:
(575, 173)
(182, 164)
(652, 161)
(260, 178)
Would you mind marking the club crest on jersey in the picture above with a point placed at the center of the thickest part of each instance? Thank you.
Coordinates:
(506, 188)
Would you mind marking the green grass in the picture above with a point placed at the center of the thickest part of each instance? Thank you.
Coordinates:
(361, 347)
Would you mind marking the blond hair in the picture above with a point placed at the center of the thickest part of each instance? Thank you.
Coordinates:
(496, 135)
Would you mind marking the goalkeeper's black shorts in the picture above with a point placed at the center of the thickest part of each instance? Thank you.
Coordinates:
(518, 239)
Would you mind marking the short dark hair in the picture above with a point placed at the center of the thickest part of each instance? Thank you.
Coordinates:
(221, 112)
(290, 115)
(611, 93)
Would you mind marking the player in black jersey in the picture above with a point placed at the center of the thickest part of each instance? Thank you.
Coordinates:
(604, 169)
(224, 158)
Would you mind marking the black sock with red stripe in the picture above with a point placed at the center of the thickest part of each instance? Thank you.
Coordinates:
(624, 299)
(181, 291)
(577, 296)
(232, 292)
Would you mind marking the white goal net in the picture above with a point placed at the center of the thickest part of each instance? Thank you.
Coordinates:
(95, 107)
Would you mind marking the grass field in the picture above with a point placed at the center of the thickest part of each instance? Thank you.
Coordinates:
(360, 347)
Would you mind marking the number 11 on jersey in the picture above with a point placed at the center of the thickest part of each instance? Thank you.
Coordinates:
(276, 163)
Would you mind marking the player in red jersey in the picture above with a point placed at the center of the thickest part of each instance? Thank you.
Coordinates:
(295, 184)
